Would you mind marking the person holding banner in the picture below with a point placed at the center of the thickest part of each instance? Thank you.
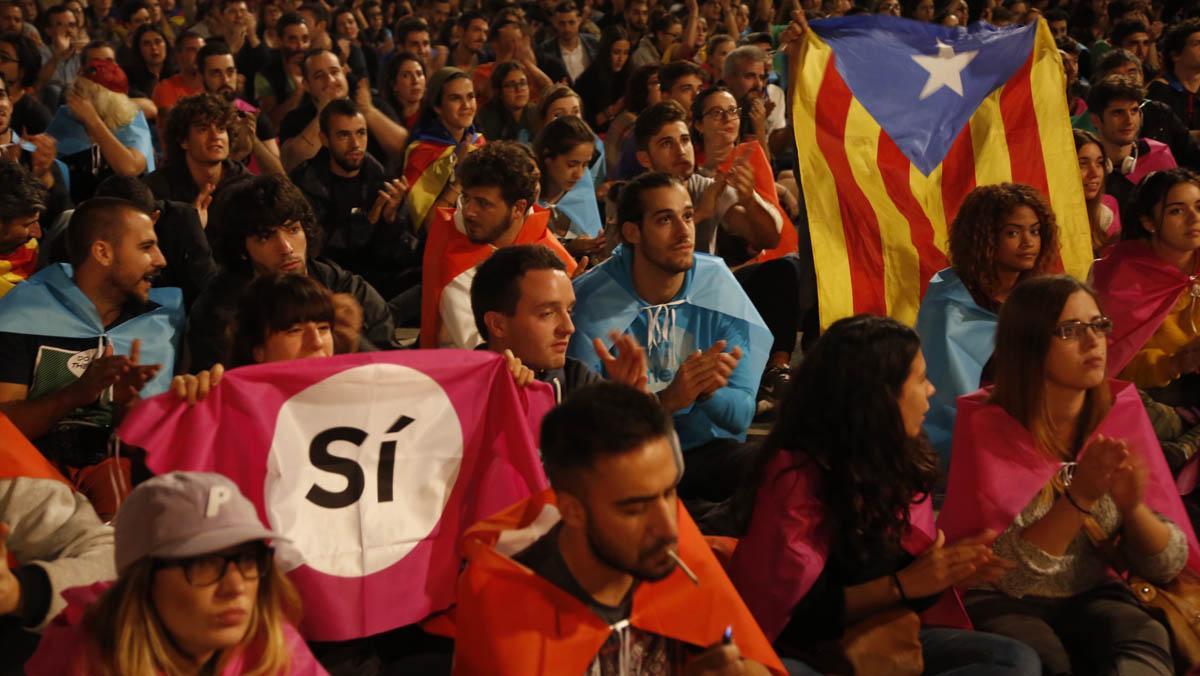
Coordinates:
(1001, 235)
(75, 336)
(197, 591)
(1059, 460)
(706, 345)
(522, 299)
(265, 226)
(841, 515)
(600, 564)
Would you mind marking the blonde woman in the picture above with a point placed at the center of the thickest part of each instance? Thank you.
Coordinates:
(197, 592)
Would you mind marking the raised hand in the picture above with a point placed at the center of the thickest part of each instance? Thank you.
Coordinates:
(194, 388)
(387, 204)
(629, 365)
(522, 374)
(1093, 472)
(134, 378)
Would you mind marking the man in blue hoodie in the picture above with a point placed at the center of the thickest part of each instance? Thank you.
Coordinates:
(705, 343)
(79, 340)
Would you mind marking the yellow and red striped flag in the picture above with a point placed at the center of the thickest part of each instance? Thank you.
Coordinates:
(896, 121)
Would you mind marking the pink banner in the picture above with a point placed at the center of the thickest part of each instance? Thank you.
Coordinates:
(371, 464)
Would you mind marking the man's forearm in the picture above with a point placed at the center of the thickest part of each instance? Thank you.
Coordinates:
(35, 417)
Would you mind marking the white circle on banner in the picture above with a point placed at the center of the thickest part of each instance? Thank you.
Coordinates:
(361, 466)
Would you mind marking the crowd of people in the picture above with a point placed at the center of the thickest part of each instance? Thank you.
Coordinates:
(606, 194)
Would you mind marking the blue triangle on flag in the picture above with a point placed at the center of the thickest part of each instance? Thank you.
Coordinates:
(921, 82)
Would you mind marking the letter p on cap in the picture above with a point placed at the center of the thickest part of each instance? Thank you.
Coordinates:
(217, 496)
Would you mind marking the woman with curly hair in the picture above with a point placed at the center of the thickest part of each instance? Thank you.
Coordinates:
(1002, 234)
(1148, 282)
(842, 526)
(1054, 458)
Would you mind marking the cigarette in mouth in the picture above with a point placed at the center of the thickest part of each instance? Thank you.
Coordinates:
(683, 566)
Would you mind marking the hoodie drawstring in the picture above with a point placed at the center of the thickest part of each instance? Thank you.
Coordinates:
(659, 326)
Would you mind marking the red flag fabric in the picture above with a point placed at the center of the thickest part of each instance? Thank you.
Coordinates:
(372, 465)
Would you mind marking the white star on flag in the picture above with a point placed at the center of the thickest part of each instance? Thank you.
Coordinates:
(945, 69)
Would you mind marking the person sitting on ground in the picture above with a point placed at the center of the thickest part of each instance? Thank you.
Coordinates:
(706, 345)
(22, 203)
(283, 316)
(522, 300)
(1001, 235)
(52, 540)
(1060, 460)
(1115, 106)
(499, 188)
(198, 590)
(609, 554)
(564, 150)
(850, 428)
(1146, 283)
(219, 74)
(1104, 215)
(444, 136)
(75, 336)
(510, 115)
(357, 205)
(263, 224)
(100, 115)
(197, 147)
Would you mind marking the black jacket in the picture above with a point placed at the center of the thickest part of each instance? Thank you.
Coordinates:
(211, 322)
(387, 255)
(573, 375)
(174, 181)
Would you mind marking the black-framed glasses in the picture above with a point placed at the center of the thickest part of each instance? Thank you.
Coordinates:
(723, 113)
(516, 85)
(201, 571)
(1073, 330)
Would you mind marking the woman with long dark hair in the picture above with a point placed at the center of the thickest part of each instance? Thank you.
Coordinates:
(403, 87)
(842, 525)
(641, 90)
(1104, 216)
(510, 115)
(564, 150)
(1057, 458)
(1002, 234)
(1147, 282)
(149, 60)
(602, 85)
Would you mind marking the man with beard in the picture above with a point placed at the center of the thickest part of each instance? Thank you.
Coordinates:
(75, 337)
(499, 188)
(219, 74)
(325, 80)
(277, 85)
(606, 594)
(263, 224)
(357, 206)
(705, 344)
(474, 28)
(22, 202)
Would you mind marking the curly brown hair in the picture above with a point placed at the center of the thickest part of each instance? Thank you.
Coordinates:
(192, 110)
(976, 229)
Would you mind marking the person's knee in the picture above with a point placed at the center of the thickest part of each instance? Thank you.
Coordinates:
(1016, 656)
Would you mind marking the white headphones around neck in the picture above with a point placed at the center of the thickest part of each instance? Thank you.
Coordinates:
(1127, 165)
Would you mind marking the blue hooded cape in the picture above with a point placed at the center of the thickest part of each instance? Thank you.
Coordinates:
(957, 338)
(710, 306)
(49, 304)
(580, 205)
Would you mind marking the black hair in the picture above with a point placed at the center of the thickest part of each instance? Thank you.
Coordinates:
(497, 283)
(1113, 88)
(387, 88)
(29, 59)
(600, 420)
(637, 88)
(410, 24)
(214, 47)
(631, 208)
(20, 193)
(1177, 38)
(1057, 14)
(670, 73)
(1126, 28)
(275, 302)
(97, 218)
(653, 119)
(189, 111)
(841, 413)
(313, 53)
(1113, 59)
(464, 21)
(503, 164)
(128, 188)
(257, 205)
(320, 14)
(287, 20)
(344, 107)
(566, 7)
(1150, 194)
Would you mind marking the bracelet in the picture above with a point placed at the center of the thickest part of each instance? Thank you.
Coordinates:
(899, 588)
(1086, 512)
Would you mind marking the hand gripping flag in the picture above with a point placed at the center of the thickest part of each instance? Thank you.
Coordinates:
(896, 121)
(373, 465)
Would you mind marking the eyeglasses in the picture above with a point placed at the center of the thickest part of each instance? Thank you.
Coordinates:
(517, 85)
(1074, 330)
(202, 571)
(723, 113)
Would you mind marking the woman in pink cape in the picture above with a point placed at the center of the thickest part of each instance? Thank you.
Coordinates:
(1149, 285)
(1052, 444)
(842, 527)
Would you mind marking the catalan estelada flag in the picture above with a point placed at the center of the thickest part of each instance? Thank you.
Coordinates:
(896, 121)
